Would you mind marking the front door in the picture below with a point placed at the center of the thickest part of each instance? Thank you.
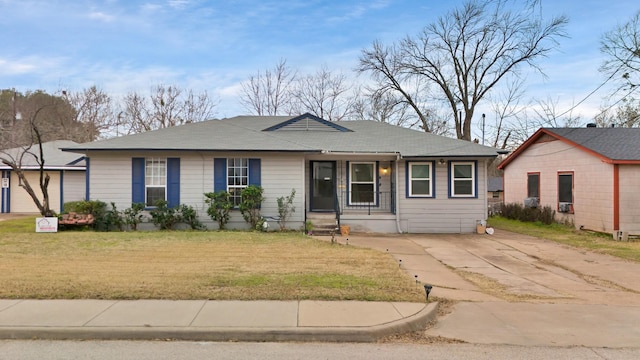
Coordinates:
(323, 185)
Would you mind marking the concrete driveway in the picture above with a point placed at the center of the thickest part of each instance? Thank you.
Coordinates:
(517, 289)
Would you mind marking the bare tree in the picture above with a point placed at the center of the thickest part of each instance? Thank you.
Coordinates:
(94, 109)
(386, 107)
(466, 52)
(166, 106)
(269, 93)
(622, 47)
(324, 94)
(506, 108)
(15, 158)
(392, 81)
(625, 115)
(548, 115)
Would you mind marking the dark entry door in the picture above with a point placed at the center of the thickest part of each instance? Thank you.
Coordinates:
(323, 184)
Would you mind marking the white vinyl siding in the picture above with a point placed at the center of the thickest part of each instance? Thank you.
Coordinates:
(111, 181)
(442, 214)
(75, 185)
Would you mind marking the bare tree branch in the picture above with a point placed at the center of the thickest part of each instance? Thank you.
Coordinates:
(466, 52)
(268, 93)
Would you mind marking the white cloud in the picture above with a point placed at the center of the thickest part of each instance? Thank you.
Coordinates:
(8, 67)
(178, 4)
(98, 15)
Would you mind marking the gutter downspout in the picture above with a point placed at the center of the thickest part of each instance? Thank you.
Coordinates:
(397, 197)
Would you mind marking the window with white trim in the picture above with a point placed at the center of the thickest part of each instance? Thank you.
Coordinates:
(237, 178)
(420, 182)
(463, 182)
(362, 183)
(155, 180)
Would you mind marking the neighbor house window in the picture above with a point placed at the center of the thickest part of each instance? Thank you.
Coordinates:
(362, 182)
(533, 185)
(155, 180)
(565, 187)
(420, 180)
(463, 181)
(237, 178)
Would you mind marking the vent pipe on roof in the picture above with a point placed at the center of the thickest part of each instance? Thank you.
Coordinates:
(591, 125)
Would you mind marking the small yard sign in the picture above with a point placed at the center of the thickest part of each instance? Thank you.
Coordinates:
(47, 224)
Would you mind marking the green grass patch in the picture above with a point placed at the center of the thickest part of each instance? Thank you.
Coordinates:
(218, 265)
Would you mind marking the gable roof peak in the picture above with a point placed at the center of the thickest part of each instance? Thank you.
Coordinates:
(307, 122)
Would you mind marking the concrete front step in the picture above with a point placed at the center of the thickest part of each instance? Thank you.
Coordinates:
(324, 223)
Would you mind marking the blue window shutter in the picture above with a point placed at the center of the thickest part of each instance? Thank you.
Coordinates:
(61, 191)
(376, 176)
(137, 180)
(219, 174)
(406, 179)
(348, 183)
(254, 172)
(173, 182)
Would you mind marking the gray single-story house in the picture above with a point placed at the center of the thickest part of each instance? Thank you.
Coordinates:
(66, 171)
(370, 176)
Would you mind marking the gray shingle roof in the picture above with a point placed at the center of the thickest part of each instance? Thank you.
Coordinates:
(247, 133)
(53, 156)
(612, 143)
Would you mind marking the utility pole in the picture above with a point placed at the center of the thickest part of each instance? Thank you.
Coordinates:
(483, 129)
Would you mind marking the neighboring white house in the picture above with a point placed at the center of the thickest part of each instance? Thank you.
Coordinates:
(371, 176)
(590, 176)
(66, 171)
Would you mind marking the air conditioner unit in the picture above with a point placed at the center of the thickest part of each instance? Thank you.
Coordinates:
(564, 207)
(531, 202)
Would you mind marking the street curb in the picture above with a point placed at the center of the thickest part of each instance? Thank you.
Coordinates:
(366, 334)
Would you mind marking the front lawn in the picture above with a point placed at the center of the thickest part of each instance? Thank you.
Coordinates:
(192, 265)
(599, 242)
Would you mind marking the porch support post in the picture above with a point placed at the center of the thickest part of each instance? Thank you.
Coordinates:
(397, 195)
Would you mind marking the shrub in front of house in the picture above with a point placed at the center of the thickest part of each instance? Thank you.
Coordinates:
(189, 216)
(517, 211)
(133, 215)
(250, 206)
(285, 209)
(166, 218)
(220, 206)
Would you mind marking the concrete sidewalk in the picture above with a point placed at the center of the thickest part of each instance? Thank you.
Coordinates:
(339, 321)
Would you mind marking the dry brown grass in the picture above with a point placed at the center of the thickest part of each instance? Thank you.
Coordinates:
(195, 265)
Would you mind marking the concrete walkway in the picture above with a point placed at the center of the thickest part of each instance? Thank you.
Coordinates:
(341, 321)
(536, 293)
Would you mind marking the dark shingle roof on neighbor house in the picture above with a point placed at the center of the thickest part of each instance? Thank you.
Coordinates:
(305, 133)
(613, 145)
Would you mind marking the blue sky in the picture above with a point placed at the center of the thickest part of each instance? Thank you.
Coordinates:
(127, 45)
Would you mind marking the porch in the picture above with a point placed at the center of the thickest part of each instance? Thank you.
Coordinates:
(376, 214)
(357, 193)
